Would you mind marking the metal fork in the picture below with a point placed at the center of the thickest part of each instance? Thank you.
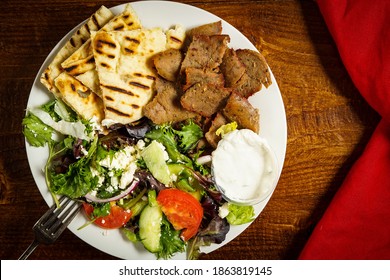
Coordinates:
(50, 226)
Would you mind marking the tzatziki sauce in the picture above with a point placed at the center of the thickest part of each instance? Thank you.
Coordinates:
(244, 167)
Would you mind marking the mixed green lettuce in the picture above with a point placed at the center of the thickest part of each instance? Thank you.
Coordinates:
(75, 151)
(240, 214)
(36, 132)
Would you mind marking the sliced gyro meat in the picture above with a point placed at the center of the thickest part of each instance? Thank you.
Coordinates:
(168, 63)
(239, 109)
(205, 99)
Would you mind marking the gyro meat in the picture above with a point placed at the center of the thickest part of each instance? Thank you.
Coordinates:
(239, 109)
(205, 99)
(214, 28)
(195, 75)
(256, 73)
(165, 106)
(205, 52)
(232, 68)
(168, 63)
(211, 136)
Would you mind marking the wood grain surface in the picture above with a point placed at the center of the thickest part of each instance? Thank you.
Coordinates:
(328, 121)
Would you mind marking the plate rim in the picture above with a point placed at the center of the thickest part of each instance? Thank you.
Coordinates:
(73, 227)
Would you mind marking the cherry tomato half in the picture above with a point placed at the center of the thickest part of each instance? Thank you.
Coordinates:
(183, 211)
(116, 219)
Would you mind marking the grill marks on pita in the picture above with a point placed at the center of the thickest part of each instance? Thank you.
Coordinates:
(117, 71)
(126, 73)
(64, 86)
(124, 63)
(98, 19)
(176, 37)
(81, 64)
(79, 97)
(117, 89)
(114, 67)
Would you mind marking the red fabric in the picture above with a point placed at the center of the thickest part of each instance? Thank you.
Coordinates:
(356, 224)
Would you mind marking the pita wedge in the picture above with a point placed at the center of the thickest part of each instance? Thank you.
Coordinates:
(81, 63)
(79, 97)
(176, 37)
(125, 69)
(94, 23)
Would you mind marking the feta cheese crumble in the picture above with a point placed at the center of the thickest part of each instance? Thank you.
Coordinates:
(119, 168)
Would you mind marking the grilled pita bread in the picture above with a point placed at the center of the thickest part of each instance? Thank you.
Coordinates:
(176, 37)
(125, 70)
(84, 102)
(94, 23)
(81, 63)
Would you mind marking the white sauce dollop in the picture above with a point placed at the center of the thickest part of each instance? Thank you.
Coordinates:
(244, 167)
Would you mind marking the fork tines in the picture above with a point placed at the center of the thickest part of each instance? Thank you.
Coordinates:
(50, 226)
(56, 219)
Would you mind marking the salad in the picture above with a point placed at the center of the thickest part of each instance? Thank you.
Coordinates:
(137, 117)
(148, 181)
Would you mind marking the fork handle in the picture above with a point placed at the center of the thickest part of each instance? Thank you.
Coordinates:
(29, 250)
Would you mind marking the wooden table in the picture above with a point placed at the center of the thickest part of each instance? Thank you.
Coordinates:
(328, 121)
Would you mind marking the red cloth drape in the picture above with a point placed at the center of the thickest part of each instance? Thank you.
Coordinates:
(356, 224)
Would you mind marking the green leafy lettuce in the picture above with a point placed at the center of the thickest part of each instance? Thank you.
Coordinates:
(188, 135)
(170, 241)
(177, 141)
(240, 214)
(40, 123)
(36, 132)
(78, 180)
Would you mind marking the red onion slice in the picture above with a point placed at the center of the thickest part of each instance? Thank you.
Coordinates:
(93, 198)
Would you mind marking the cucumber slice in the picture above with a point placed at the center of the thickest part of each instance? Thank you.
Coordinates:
(150, 228)
(154, 158)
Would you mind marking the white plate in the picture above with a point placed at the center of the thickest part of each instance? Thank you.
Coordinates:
(269, 101)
